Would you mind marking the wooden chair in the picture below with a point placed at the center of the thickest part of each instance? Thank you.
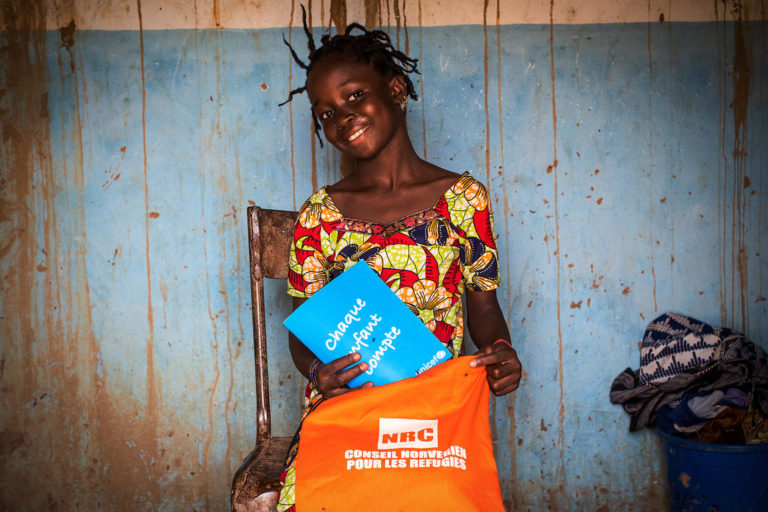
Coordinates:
(256, 485)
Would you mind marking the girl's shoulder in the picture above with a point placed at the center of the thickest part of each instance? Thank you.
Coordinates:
(317, 197)
(464, 185)
(318, 207)
(466, 201)
(322, 199)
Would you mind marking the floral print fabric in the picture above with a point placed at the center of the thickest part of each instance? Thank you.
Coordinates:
(427, 258)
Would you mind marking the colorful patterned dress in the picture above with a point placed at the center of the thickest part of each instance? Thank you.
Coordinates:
(427, 258)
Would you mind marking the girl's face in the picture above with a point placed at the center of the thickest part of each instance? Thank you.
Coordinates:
(357, 107)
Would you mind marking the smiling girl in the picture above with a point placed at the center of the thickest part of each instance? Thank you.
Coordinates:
(427, 231)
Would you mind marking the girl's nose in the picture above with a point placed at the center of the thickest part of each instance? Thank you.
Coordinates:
(343, 116)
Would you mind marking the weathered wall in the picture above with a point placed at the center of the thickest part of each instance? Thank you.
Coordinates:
(627, 164)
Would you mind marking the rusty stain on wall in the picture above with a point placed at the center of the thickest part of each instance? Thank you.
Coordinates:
(485, 96)
(313, 176)
(204, 450)
(230, 370)
(421, 89)
(93, 444)
(290, 103)
(722, 163)
(405, 32)
(150, 343)
(734, 199)
(25, 149)
(399, 22)
(740, 104)
(512, 432)
(507, 477)
(339, 13)
(561, 475)
(372, 13)
(312, 134)
(224, 308)
(217, 13)
(651, 239)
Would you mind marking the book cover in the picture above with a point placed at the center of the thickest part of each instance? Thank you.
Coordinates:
(357, 312)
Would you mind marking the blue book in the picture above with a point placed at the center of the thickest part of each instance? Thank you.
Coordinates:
(357, 312)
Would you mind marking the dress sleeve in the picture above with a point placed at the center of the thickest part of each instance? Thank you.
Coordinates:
(307, 263)
(478, 254)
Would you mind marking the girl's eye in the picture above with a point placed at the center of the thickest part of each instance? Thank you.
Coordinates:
(325, 115)
(355, 95)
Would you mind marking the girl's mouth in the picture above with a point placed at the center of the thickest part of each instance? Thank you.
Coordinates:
(357, 134)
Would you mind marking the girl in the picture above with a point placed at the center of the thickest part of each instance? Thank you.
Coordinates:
(427, 231)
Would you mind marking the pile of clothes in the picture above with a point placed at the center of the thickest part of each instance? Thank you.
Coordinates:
(696, 381)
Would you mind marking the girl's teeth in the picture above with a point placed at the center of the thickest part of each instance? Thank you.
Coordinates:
(356, 134)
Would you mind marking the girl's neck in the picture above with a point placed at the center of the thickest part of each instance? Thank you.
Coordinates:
(396, 164)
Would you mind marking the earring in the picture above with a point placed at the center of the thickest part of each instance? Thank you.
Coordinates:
(404, 103)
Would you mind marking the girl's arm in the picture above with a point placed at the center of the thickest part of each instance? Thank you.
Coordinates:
(489, 331)
(329, 379)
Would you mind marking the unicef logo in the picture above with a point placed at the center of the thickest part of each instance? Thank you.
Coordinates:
(440, 354)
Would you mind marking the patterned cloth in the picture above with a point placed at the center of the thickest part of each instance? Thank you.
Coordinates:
(427, 258)
(643, 401)
(676, 360)
(674, 343)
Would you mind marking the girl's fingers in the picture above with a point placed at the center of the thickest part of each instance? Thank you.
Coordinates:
(482, 358)
(349, 374)
(329, 372)
(339, 364)
(495, 354)
(344, 389)
(504, 385)
(367, 385)
(332, 378)
(503, 368)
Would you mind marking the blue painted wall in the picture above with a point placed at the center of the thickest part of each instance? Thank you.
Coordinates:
(628, 170)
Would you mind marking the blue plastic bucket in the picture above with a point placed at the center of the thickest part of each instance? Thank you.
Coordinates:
(705, 477)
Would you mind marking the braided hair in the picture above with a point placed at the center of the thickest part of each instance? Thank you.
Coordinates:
(372, 46)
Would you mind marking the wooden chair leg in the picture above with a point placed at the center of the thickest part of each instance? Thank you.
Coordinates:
(256, 485)
(266, 502)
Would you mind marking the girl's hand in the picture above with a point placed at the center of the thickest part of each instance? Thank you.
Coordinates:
(331, 379)
(502, 367)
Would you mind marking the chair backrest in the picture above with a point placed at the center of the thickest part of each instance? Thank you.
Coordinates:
(269, 239)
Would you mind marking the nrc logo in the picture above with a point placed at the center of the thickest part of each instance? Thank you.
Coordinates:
(407, 433)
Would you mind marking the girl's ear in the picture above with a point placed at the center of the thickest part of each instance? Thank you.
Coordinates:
(398, 88)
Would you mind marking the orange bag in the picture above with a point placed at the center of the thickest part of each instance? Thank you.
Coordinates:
(419, 444)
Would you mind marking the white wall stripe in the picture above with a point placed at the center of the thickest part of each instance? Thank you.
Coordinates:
(251, 14)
